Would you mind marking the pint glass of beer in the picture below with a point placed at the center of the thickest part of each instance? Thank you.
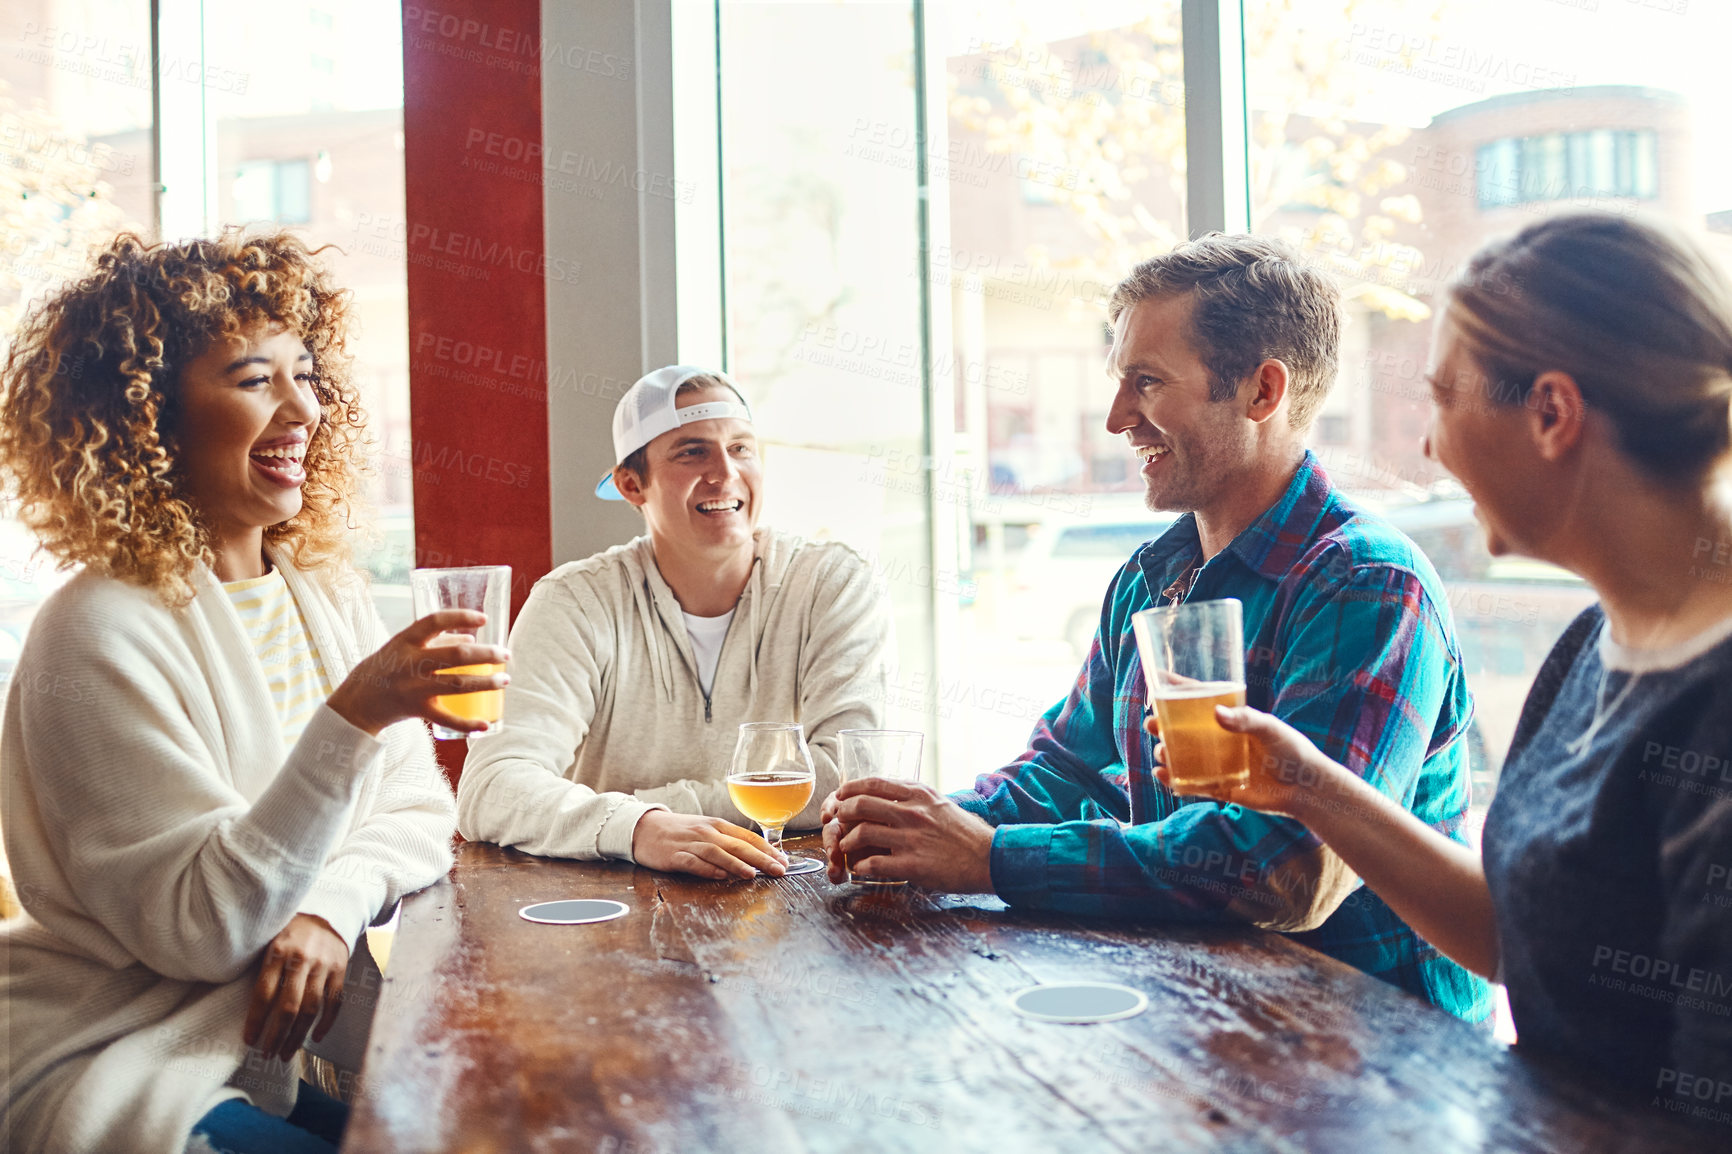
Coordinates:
(483, 587)
(887, 753)
(1193, 660)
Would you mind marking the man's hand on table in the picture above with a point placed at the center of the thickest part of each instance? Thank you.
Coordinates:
(915, 834)
(706, 846)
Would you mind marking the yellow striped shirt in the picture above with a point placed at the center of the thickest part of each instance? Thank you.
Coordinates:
(279, 635)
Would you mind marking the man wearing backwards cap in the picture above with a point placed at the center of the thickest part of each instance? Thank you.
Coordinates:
(633, 669)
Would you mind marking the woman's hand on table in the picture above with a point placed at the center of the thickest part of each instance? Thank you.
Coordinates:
(1288, 773)
(706, 846)
(401, 678)
(300, 983)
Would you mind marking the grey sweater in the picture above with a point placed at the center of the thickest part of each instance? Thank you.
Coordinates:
(605, 719)
(1607, 851)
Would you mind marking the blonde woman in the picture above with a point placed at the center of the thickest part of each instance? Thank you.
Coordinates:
(212, 784)
(1583, 395)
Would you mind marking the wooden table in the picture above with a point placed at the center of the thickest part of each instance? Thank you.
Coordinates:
(789, 1015)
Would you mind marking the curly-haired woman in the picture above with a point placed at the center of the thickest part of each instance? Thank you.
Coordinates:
(207, 792)
(1583, 395)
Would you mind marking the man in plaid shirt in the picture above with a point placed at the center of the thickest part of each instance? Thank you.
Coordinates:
(1223, 351)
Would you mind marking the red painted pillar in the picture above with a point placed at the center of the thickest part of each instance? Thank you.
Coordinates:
(477, 289)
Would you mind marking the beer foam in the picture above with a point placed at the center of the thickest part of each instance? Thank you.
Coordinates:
(1193, 689)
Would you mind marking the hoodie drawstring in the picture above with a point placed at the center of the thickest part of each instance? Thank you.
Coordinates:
(756, 592)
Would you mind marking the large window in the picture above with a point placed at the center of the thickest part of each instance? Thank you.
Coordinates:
(1427, 133)
(75, 168)
(310, 134)
(823, 291)
(918, 249)
(919, 233)
(1386, 140)
(272, 115)
(1064, 167)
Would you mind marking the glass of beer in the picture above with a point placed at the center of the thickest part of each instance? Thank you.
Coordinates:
(888, 753)
(483, 587)
(771, 780)
(1193, 660)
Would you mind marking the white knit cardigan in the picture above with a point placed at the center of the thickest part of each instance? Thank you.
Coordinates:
(161, 835)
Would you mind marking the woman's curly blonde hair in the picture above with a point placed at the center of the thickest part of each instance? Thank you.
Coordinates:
(89, 401)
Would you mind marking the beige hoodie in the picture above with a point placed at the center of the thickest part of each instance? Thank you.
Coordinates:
(604, 717)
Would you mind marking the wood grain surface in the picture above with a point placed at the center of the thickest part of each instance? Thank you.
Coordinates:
(791, 1015)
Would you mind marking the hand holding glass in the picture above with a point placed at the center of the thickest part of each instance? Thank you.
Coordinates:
(771, 781)
(888, 753)
(1193, 660)
(483, 587)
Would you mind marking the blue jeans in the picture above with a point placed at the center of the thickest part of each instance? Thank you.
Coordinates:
(314, 1126)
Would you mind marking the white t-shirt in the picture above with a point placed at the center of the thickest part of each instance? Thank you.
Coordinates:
(706, 634)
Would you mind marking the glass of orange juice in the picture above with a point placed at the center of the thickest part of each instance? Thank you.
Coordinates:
(483, 587)
(1193, 660)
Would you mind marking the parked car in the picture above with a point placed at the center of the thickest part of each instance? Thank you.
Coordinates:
(1061, 578)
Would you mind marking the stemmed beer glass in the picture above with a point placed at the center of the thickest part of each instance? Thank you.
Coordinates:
(771, 780)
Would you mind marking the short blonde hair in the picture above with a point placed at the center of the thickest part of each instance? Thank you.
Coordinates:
(89, 403)
(1635, 311)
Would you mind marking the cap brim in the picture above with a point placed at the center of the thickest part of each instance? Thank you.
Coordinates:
(607, 490)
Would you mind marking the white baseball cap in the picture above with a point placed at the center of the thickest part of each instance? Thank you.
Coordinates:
(647, 411)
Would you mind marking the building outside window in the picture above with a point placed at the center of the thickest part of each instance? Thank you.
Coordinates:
(273, 190)
(1599, 163)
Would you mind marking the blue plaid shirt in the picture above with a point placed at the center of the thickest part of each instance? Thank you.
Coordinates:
(1349, 642)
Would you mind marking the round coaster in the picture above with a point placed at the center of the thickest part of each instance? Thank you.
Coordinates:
(1079, 1002)
(574, 912)
(803, 865)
